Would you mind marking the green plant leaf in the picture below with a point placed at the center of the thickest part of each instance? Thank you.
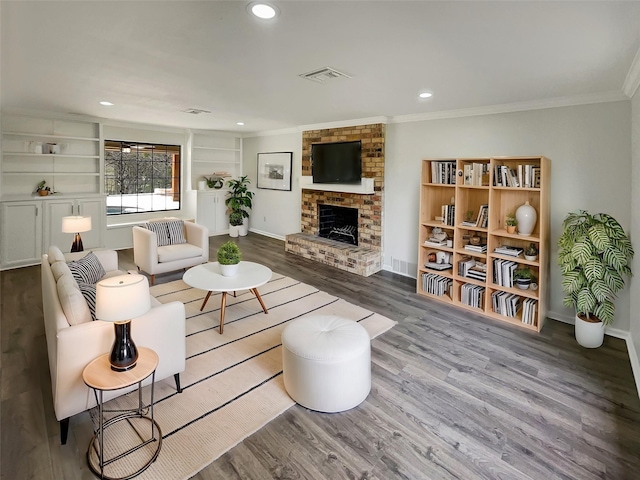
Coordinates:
(573, 282)
(614, 280)
(615, 259)
(594, 269)
(582, 251)
(601, 290)
(586, 301)
(605, 311)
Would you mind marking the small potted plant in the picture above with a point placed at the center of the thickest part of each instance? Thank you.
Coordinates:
(214, 181)
(511, 223)
(228, 257)
(531, 252)
(522, 277)
(235, 223)
(42, 189)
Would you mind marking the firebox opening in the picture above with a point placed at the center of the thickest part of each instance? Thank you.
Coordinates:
(338, 223)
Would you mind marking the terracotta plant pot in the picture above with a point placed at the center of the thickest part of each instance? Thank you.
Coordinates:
(511, 229)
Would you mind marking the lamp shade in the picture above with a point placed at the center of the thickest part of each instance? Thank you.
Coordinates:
(76, 224)
(122, 298)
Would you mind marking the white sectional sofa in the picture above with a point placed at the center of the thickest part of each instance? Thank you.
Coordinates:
(73, 340)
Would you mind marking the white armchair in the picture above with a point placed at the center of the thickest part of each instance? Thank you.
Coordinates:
(153, 259)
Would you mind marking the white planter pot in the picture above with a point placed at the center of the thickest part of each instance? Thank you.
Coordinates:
(244, 228)
(531, 258)
(234, 230)
(229, 270)
(588, 334)
(526, 216)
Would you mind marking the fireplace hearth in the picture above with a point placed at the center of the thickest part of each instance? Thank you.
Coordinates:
(338, 223)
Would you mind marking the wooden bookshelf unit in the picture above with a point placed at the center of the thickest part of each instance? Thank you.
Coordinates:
(469, 199)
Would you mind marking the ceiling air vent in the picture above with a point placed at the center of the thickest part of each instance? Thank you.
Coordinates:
(323, 74)
(195, 111)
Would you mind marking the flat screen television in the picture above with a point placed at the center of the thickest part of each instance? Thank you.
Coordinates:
(338, 162)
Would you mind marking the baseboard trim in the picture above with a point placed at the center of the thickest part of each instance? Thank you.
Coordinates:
(267, 234)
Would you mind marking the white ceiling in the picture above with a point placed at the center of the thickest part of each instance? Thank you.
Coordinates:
(154, 59)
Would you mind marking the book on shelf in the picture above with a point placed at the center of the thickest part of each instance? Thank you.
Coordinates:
(436, 284)
(476, 248)
(483, 216)
(505, 303)
(448, 213)
(476, 174)
(508, 250)
(434, 243)
(443, 172)
(529, 311)
(503, 272)
(438, 266)
(523, 176)
(472, 295)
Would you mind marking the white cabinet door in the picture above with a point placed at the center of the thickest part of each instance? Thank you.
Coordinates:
(57, 209)
(21, 233)
(97, 210)
(212, 212)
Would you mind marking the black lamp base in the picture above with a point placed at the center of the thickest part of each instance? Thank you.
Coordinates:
(76, 246)
(124, 353)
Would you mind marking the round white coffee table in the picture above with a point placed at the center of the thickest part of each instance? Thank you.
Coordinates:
(207, 277)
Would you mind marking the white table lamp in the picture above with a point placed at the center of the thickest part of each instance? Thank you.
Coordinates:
(76, 224)
(118, 300)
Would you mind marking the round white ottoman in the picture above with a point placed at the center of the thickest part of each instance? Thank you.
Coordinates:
(326, 362)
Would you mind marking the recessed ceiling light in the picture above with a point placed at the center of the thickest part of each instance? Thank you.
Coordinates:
(240, 123)
(425, 95)
(106, 104)
(263, 10)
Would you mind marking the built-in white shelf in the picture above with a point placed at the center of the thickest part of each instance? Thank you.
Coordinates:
(365, 187)
(50, 135)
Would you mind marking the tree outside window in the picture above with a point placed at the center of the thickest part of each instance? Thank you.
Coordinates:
(141, 177)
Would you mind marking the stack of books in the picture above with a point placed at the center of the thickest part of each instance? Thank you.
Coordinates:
(476, 174)
(503, 272)
(436, 284)
(478, 272)
(529, 311)
(448, 214)
(483, 217)
(472, 295)
(507, 304)
(443, 172)
(509, 250)
(433, 242)
(476, 248)
(438, 266)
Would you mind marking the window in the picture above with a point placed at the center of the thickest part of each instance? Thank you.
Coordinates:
(141, 177)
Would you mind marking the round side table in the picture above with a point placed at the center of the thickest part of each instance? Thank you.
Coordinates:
(99, 376)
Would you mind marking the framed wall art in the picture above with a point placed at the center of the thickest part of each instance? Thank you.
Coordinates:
(274, 170)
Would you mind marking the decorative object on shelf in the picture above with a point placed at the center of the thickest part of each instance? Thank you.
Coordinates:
(522, 277)
(239, 201)
(118, 300)
(42, 189)
(511, 222)
(442, 257)
(274, 170)
(214, 181)
(76, 224)
(595, 256)
(533, 286)
(531, 252)
(52, 148)
(475, 240)
(228, 257)
(526, 216)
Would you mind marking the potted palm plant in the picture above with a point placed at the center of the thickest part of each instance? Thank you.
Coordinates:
(228, 257)
(594, 256)
(239, 201)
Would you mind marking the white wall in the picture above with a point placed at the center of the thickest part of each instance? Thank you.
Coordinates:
(589, 147)
(590, 154)
(275, 212)
(635, 230)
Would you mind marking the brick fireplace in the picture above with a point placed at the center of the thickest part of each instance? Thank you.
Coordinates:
(365, 257)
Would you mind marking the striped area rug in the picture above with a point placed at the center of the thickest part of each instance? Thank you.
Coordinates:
(232, 385)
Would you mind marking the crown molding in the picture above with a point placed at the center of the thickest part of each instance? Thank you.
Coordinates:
(632, 82)
(269, 133)
(586, 99)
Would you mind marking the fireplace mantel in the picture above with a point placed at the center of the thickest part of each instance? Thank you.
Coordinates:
(365, 187)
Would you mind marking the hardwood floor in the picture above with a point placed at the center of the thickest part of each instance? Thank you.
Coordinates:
(454, 396)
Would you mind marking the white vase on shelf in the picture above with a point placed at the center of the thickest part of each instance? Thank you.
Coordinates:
(526, 216)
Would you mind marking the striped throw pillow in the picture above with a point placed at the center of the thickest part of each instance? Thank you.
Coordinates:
(161, 230)
(87, 270)
(89, 293)
(176, 232)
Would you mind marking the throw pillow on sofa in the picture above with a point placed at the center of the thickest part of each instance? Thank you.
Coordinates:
(168, 232)
(89, 293)
(87, 270)
(72, 301)
(161, 231)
